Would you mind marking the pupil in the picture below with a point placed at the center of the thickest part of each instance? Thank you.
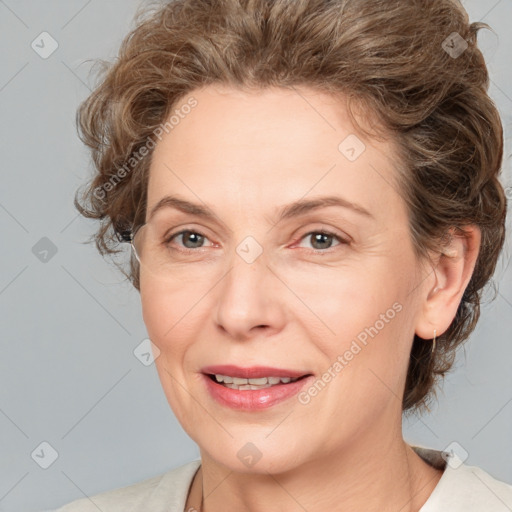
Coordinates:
(190, 234)
(318, 238)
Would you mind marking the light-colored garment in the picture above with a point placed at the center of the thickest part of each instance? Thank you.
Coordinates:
(462, 488)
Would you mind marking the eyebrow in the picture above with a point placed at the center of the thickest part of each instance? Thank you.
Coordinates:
(295, 209)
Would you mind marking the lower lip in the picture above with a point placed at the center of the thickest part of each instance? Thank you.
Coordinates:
(254, 399)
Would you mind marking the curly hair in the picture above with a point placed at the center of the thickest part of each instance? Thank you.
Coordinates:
(415, 65)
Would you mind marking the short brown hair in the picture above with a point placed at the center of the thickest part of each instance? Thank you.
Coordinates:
(414, 64)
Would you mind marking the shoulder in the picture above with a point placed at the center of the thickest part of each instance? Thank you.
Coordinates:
(473, 489)
(464, 488)
(166, 492)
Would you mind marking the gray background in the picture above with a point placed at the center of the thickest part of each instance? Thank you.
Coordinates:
(69, 325)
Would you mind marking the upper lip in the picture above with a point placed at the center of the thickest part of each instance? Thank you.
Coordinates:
(252, 372)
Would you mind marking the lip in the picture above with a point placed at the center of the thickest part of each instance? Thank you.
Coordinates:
(253, 399)
(252, 372)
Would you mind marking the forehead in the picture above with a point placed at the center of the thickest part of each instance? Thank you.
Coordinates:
(270, 146)
(265, 122)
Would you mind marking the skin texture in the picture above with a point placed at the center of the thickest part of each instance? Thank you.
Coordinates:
(297, 306)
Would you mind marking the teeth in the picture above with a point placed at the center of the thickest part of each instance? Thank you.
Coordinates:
(249, 384)
(258, 382)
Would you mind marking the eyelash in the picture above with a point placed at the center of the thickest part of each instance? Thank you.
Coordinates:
(341, 240)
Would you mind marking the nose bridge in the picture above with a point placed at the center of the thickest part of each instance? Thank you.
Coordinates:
(246, 298)
(250, 250)
(246, 281)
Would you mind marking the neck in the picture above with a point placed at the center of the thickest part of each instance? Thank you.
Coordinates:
(389, 476)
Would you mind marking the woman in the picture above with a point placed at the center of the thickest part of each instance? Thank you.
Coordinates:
(310, 189)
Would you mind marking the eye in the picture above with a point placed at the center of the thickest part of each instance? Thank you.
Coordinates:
(323, 239)
(193, 238)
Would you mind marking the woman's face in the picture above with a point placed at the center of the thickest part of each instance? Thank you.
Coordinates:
(250, 287)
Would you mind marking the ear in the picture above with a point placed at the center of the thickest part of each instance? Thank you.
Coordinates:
(442, 291)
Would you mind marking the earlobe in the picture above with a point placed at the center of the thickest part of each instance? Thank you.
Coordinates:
(451, 274)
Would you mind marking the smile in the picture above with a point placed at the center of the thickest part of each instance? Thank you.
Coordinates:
(251, 384)
(252, 389)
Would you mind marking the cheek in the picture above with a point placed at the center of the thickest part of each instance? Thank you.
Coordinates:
(347, 300)
(154, 314)
(174, 315)
(364, 326)
(163, 315)
(164, 303)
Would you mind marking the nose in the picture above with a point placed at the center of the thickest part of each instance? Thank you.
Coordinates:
(250, 299)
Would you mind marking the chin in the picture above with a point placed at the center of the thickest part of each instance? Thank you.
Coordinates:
(254, 454)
